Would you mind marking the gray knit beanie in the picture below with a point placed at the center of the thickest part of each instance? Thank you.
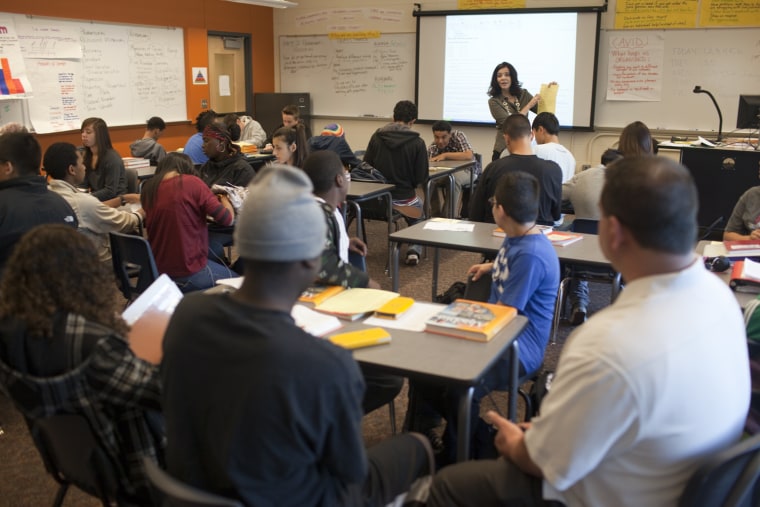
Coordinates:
(280, 220)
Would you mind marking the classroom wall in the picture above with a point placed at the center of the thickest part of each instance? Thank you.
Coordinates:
(196, 18)
(586, 146)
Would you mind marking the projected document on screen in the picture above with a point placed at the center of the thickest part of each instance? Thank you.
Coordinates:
(458, 53)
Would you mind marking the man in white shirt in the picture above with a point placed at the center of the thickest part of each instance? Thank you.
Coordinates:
(546, 133)
(647, 388)
(63, 164)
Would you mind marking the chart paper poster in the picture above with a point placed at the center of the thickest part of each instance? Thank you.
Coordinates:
(634, 71)
(645, 14)
(13, 79)
(58, 95)
(729, 13)
(48, 40)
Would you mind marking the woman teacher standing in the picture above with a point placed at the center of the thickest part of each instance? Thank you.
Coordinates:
(507, 97)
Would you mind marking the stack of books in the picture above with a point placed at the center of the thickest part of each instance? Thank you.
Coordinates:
(135, 163)
(246, 147)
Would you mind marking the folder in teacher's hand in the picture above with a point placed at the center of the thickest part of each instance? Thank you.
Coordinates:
(548, 102)
(353, 304)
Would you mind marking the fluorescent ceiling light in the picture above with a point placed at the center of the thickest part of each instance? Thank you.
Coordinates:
(277, 4)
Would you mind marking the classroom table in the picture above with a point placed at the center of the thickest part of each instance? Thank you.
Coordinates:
(361, 191)
(446, 169)
(481, 240)
(742, 297)
(257, 160)
(447, 361)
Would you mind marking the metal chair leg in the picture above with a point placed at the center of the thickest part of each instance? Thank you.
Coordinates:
(392, 413)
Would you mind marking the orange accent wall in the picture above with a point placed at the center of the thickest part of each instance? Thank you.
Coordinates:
(196, 18)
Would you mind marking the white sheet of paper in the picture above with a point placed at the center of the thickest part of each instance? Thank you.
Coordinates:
(224, 86)
(449, 224)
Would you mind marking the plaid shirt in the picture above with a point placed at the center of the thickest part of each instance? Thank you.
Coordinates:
(457, 143)
(96, 375)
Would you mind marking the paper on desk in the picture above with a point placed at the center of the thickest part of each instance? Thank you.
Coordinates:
(315, 323)
(449, 224)
(235, 282)
(412, 320)
(548, 102)
(751, 269)
(714, 249)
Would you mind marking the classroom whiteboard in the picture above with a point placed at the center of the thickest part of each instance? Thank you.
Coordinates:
(724, 61)
(349, 77)
(122, 73)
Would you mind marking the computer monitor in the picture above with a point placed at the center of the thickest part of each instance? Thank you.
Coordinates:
(748, 116)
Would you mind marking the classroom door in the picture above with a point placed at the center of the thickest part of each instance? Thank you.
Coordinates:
(227, 73)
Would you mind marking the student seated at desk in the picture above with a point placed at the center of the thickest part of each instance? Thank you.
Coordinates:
(290, 145)
(328, 176)
(517, 134)
(449, 144)
(252, 131)
(256, 408)
(63, 349)
(225, 165)
(525, 275)
(63, 165)
(176, 204)
(104, 169)
(399, 153)
(148, 146)
(291, 117)
(744, 222)
(194, 145)
(333, 138)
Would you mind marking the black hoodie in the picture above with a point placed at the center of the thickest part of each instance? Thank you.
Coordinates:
(400, 154)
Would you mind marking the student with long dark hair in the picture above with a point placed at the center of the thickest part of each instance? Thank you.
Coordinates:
(105, 175)
(290, 145)
(176, 203)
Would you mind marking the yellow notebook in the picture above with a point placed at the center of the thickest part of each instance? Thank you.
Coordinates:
(394, 308)
(362, 338)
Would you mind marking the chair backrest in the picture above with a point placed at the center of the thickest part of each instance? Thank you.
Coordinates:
(479, 290)
(132, 258)
(170, 492)
(585, 225)
(728, 479)
(132, 184)
(73, 455)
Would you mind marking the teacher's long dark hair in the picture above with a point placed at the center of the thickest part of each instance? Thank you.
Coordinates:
(514, 88)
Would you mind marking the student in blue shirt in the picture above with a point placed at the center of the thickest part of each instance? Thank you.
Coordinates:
(525, 275)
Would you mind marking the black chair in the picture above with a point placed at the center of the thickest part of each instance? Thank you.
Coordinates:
(170, 492)
(132, 260)
(731, 478)
(585, 273)
(133, 183)
(73, 456)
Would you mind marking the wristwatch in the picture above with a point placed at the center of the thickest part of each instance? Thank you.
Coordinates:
(123, 201)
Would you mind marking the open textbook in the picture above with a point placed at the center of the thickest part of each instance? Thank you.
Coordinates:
(149, 317)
